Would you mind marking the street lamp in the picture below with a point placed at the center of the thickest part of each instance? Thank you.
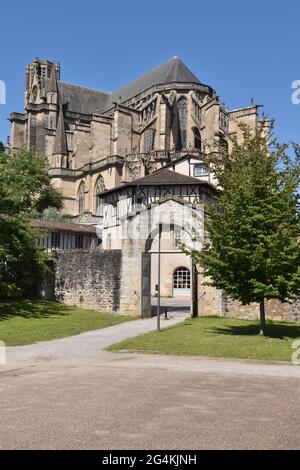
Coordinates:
(158, 277)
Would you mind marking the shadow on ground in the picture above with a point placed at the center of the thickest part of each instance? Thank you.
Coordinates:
(32, 309)
(165, 310)
(273, 330)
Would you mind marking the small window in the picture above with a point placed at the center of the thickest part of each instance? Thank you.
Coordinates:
(55, 239)
(81, 199)
(200, 170)
(182, 279)
(79, 241)
(177, 237)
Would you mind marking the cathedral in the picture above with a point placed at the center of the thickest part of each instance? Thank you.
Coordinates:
(95, 140)
(143, 146)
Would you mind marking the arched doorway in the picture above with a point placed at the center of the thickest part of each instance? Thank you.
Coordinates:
(177, 275)
(181, 282)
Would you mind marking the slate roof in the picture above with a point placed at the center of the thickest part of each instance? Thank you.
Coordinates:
(171, 71)
(165, 177)
(88, 100)
(63, 226)
(82, 100)
(161, 178)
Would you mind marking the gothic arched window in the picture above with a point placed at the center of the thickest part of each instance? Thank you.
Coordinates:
(197, 138)
(149, 140)
(182, 118)
(81, 198)
(99, 188)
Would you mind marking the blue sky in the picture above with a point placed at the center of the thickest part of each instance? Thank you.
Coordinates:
(242, 49)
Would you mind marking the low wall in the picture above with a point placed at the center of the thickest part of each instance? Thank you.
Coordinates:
(85, 279)
(275, 310)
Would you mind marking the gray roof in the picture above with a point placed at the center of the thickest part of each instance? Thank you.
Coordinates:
(88, 100)
(165, 177)
(161, 177)
(82, 100)
(171, 71)
(62, 226)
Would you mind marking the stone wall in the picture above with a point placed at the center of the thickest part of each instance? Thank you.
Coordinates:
(85, 279)
(275, 310)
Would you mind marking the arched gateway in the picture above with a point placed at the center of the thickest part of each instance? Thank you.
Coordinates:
(170, 200)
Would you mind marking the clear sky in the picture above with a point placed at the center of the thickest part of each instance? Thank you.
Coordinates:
(243, 49)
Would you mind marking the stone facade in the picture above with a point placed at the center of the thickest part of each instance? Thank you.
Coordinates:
(89, 134)
(89, 280)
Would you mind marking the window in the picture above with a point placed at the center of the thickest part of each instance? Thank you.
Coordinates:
(81, 199)
(99, 188)
(200, 170)
(177, 237)
(55, 239)
(149, 140)
(181, 280)
(79, 241)
(182, 118)
(197, 138)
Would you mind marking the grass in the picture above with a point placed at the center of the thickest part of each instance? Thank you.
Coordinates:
(27, 321)
(218, 337)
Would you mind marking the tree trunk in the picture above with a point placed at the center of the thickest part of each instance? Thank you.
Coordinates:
(262, 318)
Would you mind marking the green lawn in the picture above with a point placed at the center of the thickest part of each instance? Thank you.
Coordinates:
(27, 321)
(218, 337)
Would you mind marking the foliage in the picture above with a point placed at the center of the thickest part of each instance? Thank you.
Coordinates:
(253, 251)
(25, 189)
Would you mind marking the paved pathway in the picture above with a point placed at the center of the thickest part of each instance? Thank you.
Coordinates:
(85, 346)
(70, 394)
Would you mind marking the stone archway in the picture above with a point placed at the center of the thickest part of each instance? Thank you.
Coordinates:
(187, 301)
(138, 257)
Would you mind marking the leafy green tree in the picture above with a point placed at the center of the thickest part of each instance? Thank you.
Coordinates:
(253, 253)
(2, 148)
(25, 190)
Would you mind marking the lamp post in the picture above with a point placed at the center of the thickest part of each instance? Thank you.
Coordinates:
(158, 278)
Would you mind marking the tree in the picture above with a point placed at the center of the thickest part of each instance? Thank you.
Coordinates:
(253, 253)
(2, 148)
(25, 190)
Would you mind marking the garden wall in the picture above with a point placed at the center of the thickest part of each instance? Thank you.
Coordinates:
(85, 279)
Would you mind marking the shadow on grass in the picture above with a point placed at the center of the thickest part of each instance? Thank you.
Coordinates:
(273, 330)
(32, 309)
